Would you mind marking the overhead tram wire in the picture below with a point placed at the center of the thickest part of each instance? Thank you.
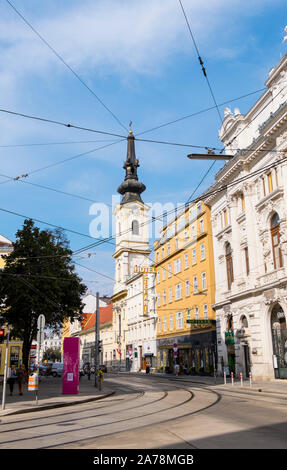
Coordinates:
(66, 64)
(43, 144)
(202, 197)
(211, 92)
(198, 112)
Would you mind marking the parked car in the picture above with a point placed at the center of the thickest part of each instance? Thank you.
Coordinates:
(46, 368)
(57, 369)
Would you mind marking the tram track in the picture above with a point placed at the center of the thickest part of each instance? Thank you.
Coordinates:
(158, 411)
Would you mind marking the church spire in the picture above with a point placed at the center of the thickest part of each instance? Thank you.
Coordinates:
(131, 188)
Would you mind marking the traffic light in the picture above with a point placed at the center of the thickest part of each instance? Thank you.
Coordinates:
(100, 345)
(1, 335)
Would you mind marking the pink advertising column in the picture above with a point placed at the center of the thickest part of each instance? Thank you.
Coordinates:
(71, 366)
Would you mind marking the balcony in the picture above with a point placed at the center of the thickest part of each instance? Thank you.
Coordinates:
(272, 277)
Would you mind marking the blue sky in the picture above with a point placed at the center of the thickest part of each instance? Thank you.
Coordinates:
(138, 57)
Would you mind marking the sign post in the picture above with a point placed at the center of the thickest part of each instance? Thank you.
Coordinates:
(40, 340)
(5, 372)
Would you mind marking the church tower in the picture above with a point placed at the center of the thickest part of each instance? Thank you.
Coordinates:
(132, 227)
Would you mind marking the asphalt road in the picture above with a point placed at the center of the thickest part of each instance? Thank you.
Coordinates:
(152, 413)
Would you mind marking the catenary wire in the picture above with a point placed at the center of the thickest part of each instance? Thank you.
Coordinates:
(66, 64)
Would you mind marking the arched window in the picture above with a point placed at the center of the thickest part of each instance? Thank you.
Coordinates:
(135, 227)
(244, 322)
(275, 236)
(229, 265)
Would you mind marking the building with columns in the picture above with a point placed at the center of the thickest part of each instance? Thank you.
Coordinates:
(249, 225)
(132, 250)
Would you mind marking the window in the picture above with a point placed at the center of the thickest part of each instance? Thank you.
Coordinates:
(179, 320)
(169, 270)
(164, 297)
(199, 209)
(185, 236)
(158, 300)
(168, 248)
(171, 322)
(196, 313)
(187, 287)
(135, 227)
(201, 225)
(246, 260)
(158, 277)
(159, 325)
(176, 243)
(188, 314)
(163, 274)
(229, 265)
(186, 260)
(203, 279)
(162, 252)
(270, 182)
(225, 218)
(178, 291)
(164, 324)
(242, 202)
(194, 256)
(170, 294)
(177, 266)
(195, 287)
(275, 236)
(202, 251)
(193, 233)
(205, 312)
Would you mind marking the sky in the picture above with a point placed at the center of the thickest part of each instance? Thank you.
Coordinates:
(117, 61)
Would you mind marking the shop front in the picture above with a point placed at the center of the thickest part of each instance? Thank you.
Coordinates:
(195, 353)
(149, 354)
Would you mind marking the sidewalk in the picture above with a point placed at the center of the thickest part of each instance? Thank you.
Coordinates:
(275, 386)
(50, 395)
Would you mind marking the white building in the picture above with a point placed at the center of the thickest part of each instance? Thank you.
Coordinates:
(141, 325)
(249, 222)
(132, 250)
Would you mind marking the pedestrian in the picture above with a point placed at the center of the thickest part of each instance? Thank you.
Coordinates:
(147, 369)
(21, 377)
(12, 379)
(176, 368)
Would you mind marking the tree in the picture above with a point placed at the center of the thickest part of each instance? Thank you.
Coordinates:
(52, 354)
(39, 278)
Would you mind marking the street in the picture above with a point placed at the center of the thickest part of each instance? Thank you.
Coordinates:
(149, 412)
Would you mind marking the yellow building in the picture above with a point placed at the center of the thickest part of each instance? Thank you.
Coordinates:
(15, 347)
(185, 286)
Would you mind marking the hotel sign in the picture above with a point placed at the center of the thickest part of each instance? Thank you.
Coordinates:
(145, 271)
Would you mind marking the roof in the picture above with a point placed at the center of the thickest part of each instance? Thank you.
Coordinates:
(106, 316)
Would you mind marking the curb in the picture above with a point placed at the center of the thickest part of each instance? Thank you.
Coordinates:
(57, 405)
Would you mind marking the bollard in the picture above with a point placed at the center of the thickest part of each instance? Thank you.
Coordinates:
(232, 379)
(241, 379)
(250, 379)
(224, 378)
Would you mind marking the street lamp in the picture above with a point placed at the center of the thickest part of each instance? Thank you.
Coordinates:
(210, 155)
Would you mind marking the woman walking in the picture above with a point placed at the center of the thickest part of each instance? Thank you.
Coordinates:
(12, 379)
(21, 378)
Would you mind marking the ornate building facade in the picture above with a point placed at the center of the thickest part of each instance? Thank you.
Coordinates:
(249, 224)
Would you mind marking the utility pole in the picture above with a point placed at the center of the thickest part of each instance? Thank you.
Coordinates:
(97, 330)
(5, 371)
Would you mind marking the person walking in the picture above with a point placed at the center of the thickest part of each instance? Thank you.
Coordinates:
(12, 379)
(21, 377)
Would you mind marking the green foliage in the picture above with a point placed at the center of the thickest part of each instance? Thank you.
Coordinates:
(52, 354)
(39, 278)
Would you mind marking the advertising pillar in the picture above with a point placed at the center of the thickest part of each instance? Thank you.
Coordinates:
(71, 364)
